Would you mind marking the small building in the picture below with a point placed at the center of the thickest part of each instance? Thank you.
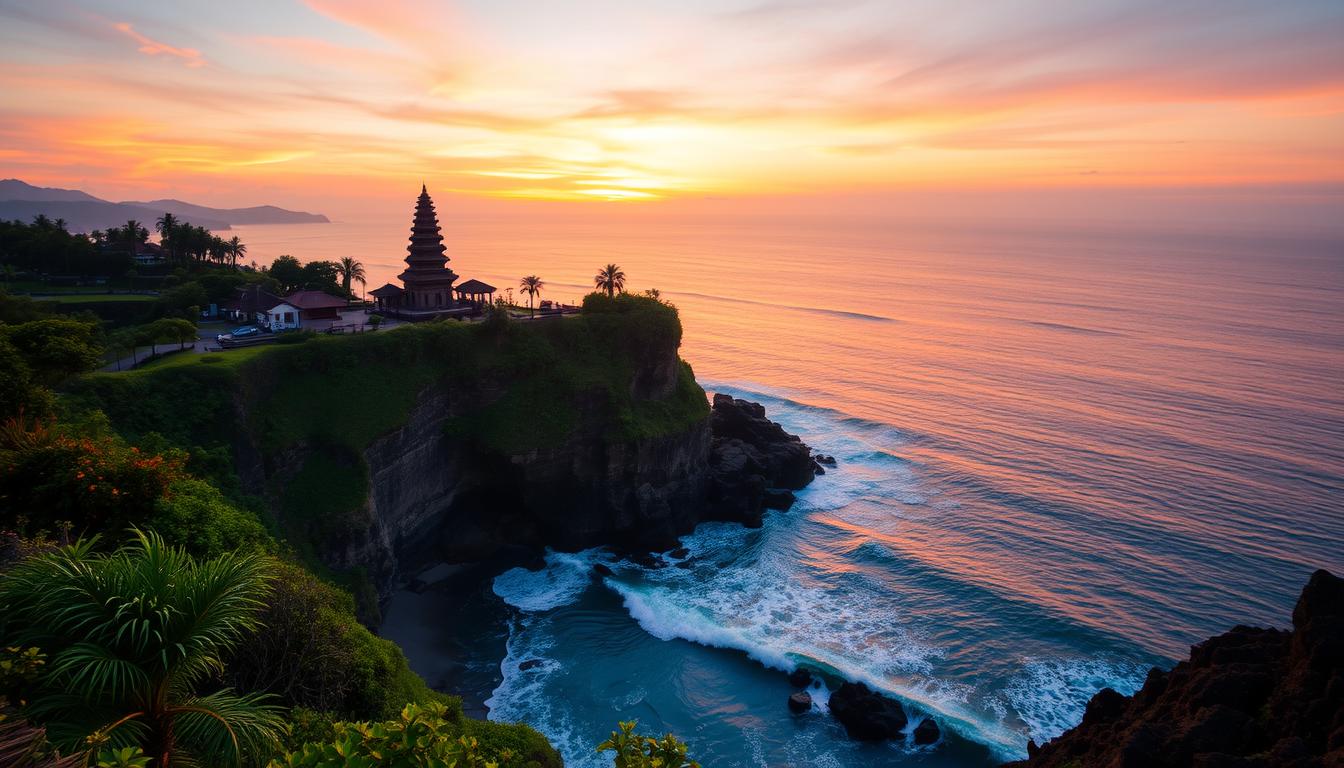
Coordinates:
(475, 292)
(388, 297)
(316, 305)
(283, 317)
(252, 305)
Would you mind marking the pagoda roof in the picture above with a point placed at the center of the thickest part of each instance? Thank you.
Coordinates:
(387, 291)
(475, 286)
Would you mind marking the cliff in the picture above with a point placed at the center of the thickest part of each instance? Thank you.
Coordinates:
(1250, 698)
(382, 453)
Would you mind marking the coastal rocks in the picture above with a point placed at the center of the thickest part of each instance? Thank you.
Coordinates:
(753, 463)
(927, 732)
(866, 715)
(530, 664)
(1249, 698)
(800, 702)
(800, 678)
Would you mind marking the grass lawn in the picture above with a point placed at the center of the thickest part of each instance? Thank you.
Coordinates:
(231, 358)
(94, 298)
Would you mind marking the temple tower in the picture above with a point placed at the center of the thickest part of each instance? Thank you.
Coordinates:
(427, 279)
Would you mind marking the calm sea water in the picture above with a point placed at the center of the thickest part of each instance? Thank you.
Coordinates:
(1064, 455)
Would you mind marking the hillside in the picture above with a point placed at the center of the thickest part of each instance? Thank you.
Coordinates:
(84, 212)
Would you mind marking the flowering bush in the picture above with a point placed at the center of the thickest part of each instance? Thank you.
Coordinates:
(96, 484)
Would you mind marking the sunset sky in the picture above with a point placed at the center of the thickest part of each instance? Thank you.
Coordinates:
(324, 103)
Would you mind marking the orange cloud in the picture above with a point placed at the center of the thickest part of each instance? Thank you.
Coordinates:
(190, 56)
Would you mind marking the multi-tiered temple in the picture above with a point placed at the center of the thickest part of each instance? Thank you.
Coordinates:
(426, 289)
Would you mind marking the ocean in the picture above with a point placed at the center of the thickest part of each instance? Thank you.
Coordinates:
(1065, 453)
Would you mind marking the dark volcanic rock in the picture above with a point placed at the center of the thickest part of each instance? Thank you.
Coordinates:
(927, 732)
(867, 716)
(602, 569)
(778, 498)
(1250, 698)
(529, 664)
(748, 455)
(784, 460)
(680, 553)
(800, 678)
(800, 702)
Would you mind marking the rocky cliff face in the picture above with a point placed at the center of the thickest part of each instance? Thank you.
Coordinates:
(1250, 698)
(434, 496)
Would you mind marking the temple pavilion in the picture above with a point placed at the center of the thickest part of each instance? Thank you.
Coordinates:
(426, 289)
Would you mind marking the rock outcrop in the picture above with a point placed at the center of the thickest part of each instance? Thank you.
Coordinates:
(1250, 698)
(866, 715)
(754, 463)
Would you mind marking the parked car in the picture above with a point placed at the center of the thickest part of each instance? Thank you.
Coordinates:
(239, 333)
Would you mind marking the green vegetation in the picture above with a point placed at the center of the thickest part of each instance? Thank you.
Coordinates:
(133, 637)
(152, 680)
(96, 298)
(636, 751)
(423, 737)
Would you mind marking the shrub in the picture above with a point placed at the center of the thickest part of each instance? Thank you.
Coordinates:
(97, 484)
(427, 737)
(132, 635)
(195, 515)
(636, 751)
(315, 654)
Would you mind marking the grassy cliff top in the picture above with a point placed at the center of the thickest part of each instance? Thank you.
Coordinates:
(348, 390)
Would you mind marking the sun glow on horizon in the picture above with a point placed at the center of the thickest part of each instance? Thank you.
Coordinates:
(664, 100)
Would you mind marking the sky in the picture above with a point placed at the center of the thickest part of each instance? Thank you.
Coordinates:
(738, 105)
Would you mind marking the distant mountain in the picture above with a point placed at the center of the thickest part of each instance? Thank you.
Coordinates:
(259, 214)
(88, 215)
(84, 212)
(13, 189)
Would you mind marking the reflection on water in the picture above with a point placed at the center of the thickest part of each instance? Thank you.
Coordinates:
(1064, 456)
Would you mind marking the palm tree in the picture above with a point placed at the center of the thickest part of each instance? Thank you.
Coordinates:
(236, 249)
(167, 225)
(532, 286)
(349, 270)
(134, 232)
(611, 279)
(130, 635)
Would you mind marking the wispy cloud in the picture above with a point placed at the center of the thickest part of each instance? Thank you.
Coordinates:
(190, 56)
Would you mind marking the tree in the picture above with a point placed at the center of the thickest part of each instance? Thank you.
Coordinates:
(349, 269)
(287, 271)
(321, 276)
(610, 279)
(56, 349)
(531, 285)
(636, 751)
(168, 227)
(171, 329)
(236, 250)
(131, 635)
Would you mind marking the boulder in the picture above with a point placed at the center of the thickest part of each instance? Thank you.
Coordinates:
(680, 553)
(778, 498)
(602, 569)
(817, 469)
(927, 732)
(800, 678)
(800, 702)
(530, 664)
(866, 715)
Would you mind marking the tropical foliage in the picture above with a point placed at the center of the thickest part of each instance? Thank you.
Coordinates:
(350, 270)
(531, 285)
(636, 751)
(422, 737)
(134, 636)
(610, 279)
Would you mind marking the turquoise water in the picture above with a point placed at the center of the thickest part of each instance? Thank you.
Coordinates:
(1064, 456)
